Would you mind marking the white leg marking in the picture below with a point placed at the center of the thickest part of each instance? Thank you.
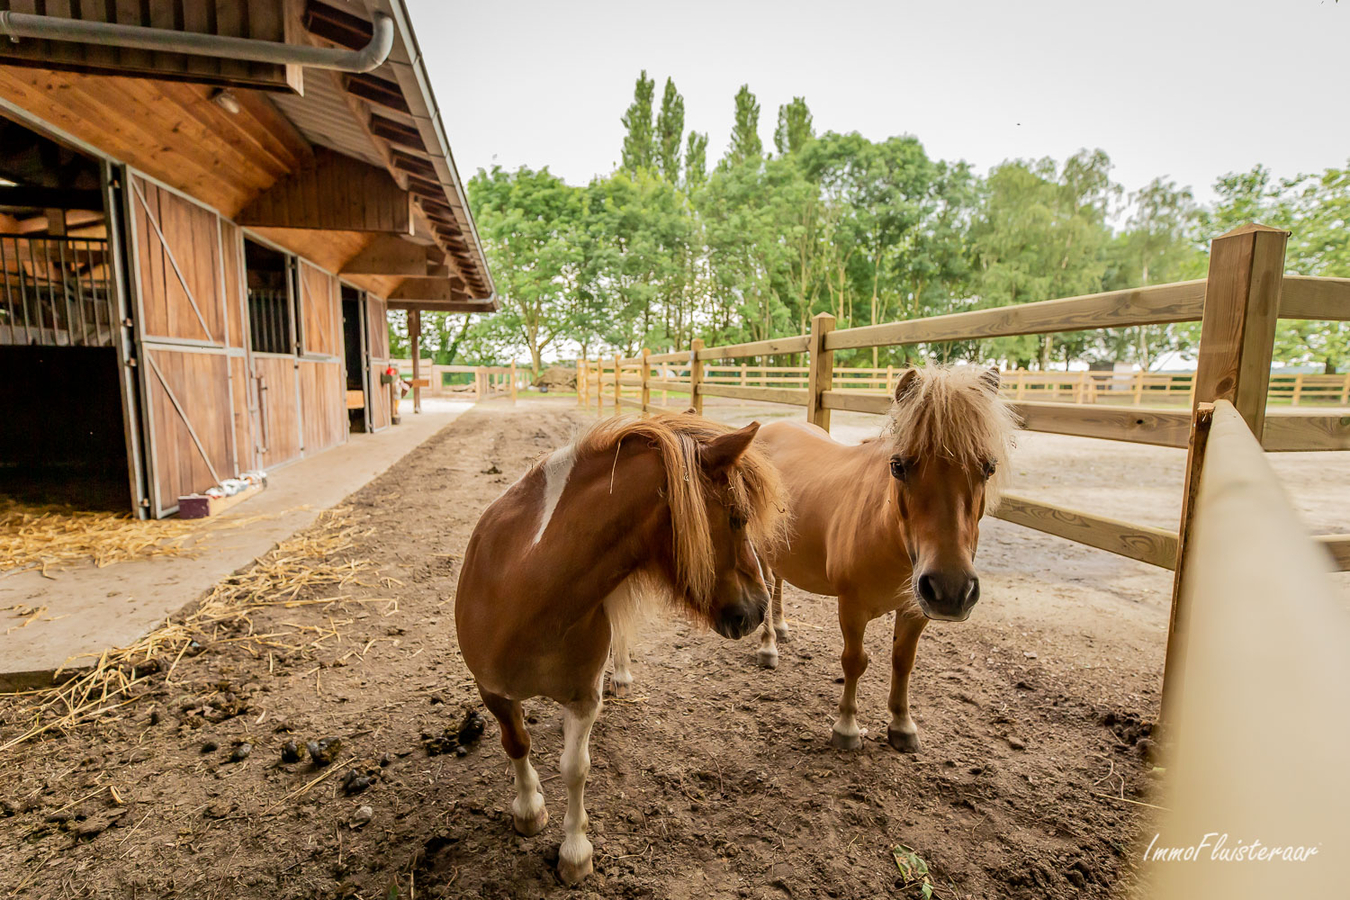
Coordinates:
(574, 856)
(623, 675)
(557, 469)
(527, 810)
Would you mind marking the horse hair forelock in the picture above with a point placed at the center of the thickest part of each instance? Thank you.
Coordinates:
(752, 487)
(955, 412)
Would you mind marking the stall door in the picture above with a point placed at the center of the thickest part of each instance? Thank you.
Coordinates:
(323, 379)
(377, 348)
(182, 336)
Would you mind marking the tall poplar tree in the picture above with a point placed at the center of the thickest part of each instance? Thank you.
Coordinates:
(638, 145)
(745, 142)
(695, 162)
(794, 127)
(669, 132)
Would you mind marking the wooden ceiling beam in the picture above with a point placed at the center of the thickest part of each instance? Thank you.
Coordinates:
(336, 25)
(439, 290)
(377, 91)
(397, 133)
(469, 306)
(413, 164)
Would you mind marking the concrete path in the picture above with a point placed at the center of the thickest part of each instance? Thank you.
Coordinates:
(89, 609)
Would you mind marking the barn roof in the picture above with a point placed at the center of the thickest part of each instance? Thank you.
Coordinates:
(246, 162)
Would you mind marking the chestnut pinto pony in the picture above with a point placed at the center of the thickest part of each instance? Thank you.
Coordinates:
(891, 524)
(671, 505)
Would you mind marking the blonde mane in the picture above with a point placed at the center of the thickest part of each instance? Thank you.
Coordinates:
(954, 412)
(752, 489)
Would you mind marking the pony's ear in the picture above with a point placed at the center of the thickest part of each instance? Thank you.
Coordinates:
(991, 379)
(690, 411)
(908, 381)
(723, 451)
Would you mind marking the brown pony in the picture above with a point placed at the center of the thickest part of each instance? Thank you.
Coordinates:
(891, 524)
(674, 505)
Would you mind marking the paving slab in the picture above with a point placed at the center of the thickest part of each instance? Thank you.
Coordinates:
(88, 609)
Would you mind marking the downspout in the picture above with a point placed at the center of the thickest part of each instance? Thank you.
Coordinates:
(50, 28)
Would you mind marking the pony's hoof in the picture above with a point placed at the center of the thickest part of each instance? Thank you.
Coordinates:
(529, 826)
(904, 741)
(768, 659)
(781, 631)
(845, 741)
(574, 871)
(621, 689)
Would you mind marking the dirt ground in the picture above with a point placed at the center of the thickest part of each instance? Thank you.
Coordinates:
(715, 781)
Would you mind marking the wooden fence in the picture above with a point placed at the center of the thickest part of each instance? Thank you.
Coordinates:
(1237, 305)
(1121, 388)
(485, 383)
(1252, 628)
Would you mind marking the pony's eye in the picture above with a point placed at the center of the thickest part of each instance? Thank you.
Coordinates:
(989, 468)
(898, 468)
(737, 523)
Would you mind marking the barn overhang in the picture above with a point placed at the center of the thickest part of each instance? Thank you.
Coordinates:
(257, 152)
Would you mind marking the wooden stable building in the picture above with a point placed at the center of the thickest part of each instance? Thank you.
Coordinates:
(207, 210)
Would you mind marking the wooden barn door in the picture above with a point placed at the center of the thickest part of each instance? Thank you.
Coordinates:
(323, 378)
(377, 349)
(188, 372)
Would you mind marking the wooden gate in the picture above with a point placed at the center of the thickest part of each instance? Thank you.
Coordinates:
(183, 344)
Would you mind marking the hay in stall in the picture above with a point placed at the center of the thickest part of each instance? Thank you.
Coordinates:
(49, 537)
(121, 677)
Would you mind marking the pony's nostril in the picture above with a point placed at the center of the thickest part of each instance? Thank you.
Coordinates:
(925, 590)
(973, 591)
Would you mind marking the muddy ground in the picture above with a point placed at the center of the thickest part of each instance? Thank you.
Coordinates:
(716, 780)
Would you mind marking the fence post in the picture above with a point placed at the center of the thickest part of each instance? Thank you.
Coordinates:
(1298, 389)
(581, 383)
(821, 377)
(617, 387)
(512, 376)
(1237, 341)
(695, 376)
(646, 396)
(415, 338)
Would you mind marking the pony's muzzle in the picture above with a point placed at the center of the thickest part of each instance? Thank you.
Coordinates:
(736, 620)
(947, 596)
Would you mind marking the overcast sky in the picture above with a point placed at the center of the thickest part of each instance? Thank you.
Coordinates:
(1189, 89)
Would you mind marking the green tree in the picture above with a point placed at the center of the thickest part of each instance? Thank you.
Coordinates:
(530, 223)
(639, 149)
(794, 127)
(695, 161)
(745, 142)
(1158, 246)
(669, 132)
(1040, 236)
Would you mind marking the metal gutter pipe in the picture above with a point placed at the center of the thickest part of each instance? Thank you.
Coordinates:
(50, 28)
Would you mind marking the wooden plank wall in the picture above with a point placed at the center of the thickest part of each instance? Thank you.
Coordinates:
(336, 192)
(279, 410)
(260, 19)
(323, 405)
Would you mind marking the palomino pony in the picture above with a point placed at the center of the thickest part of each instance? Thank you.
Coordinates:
(891, 524)
(673, 504)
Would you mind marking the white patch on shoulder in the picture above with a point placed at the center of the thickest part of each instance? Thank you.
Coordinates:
(557, 469)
